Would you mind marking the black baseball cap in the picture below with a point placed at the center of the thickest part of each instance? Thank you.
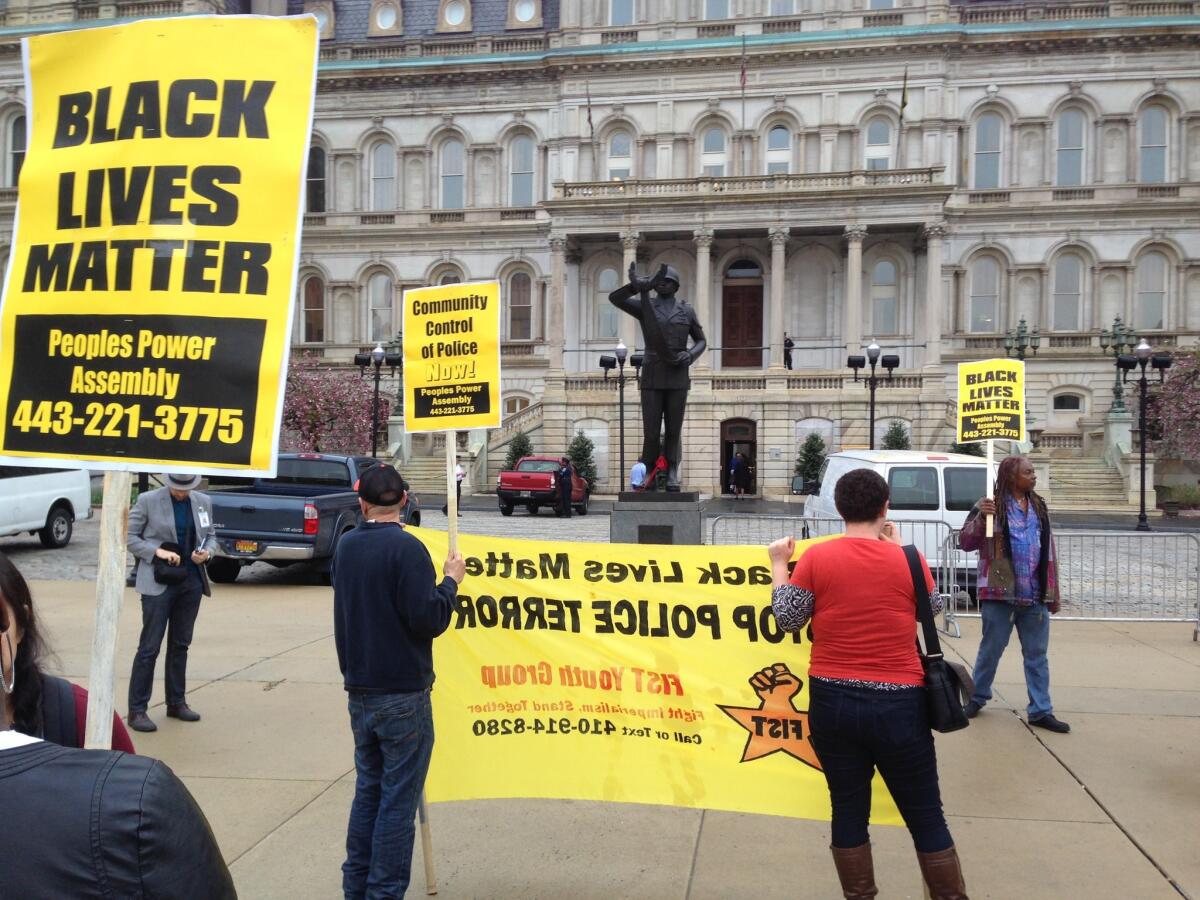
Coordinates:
(381, 485)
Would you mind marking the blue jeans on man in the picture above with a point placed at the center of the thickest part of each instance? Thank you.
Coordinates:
(1033, 631)
(393, 741)
(173, 614)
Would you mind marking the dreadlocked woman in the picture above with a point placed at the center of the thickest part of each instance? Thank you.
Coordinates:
(1017, 585)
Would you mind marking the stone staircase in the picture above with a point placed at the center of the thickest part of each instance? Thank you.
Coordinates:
(425, 474)
(1087, 485)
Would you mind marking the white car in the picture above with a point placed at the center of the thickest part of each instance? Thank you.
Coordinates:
(45, 502)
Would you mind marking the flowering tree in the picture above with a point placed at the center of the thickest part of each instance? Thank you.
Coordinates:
(327, 410)
(1177, 408)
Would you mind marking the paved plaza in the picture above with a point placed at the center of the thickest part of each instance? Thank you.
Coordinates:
(1109, 811)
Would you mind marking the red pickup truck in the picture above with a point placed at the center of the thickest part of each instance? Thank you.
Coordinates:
(534, 484)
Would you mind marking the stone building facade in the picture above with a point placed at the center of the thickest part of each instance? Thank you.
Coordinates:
(922, 173)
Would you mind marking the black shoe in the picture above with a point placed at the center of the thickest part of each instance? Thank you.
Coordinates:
(1050, 724)
(972, 709)
(139, 721)
(183, 713)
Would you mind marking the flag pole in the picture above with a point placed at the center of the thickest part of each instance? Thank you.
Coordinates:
(900, 127)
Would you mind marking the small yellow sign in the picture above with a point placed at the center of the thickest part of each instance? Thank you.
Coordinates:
(452, 357)
(991, 401)
(147, 306)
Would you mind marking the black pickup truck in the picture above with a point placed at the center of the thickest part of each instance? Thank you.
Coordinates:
(297, 516)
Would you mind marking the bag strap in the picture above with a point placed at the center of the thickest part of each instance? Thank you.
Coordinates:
(933, 646)
(58, 712)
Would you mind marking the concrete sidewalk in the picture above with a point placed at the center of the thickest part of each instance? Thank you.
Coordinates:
(1111, 810)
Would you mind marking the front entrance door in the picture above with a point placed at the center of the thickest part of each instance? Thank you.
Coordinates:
(739, 436)
(742, 326)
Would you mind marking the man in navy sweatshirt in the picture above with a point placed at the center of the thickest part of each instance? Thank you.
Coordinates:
(387, 609)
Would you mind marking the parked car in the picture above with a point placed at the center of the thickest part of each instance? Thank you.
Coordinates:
(931, 494)
(297, 516)
(44, 502)
(534, 484)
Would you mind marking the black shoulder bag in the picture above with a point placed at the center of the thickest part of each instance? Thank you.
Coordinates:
(948, 686)
(164, 572)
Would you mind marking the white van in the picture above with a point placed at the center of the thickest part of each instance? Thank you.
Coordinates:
(45, 502)
(931, 494)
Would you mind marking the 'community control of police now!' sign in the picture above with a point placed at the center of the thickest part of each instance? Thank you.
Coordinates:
(991, 400)
(452, 357)
(148, 300)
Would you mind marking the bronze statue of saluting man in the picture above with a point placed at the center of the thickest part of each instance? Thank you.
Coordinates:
(667, 323)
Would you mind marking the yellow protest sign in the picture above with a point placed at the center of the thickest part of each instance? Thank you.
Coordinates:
(452, 357)
(991, 400)
(643, 674)
(148, 300)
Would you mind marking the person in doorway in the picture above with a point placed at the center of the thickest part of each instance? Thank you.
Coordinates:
(174, 524)
(866, 708)
(387, 609)
(39, 704)
(788, 345)
(563, 476)
(459, 474)
(637, 475)
(741, 475)
(1017, 587)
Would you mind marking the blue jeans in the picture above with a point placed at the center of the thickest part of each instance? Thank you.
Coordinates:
(393, 741)
(171, 613)
(858, 730)
(1033, 631)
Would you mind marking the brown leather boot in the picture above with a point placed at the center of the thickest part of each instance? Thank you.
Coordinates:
(943, 874)
(856, 871)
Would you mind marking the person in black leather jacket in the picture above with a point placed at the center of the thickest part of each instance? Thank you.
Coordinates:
(99, 823)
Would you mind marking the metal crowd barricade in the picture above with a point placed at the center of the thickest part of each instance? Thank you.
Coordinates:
(1130, 576)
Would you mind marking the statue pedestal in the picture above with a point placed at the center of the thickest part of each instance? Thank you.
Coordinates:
(656, 517)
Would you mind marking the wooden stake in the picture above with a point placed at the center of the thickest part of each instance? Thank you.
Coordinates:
(427, 846)
(110, 591)
(990, 524)
(451, 492)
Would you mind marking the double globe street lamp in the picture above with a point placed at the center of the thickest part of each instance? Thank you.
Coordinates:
(377, 358)
(888, 361)
(1142, 355)
(617, 361)
(1118, 342)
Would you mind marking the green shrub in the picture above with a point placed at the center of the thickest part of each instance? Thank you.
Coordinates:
(896, 437)
(518, 448)
(811, 457)
(972, 449)
(580, 454)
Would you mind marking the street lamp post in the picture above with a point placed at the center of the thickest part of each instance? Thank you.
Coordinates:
(1118, 341)
(376, 358)
(1142, 354)
(1020, 339)
(888, 361)
(608, 363)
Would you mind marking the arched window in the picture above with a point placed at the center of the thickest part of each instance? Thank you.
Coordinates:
(520, 307)
(312, 295)
(513, 405)
(620, 156)
(985, 295)
(1070, 159)
(1151, 285)
(883, 298)
(453, 179)
(521, 176)
(379, 300)
(1068, 293)
(779, 150)
(1152, 138)
(1068, 403)
(16, 149)
(607, 281)
(383, 177)
(620, 12)
(878, 153)
(712, 157)
(988, 132)
(315, 181)
(449, 276)
(716, 9)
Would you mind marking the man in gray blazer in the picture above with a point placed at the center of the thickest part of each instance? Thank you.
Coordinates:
(179, 516)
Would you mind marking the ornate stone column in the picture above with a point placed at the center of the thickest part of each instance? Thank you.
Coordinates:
(702, 301)
(627, 327)
(778, 236)
(935, 234)
(557, 299)
(852, 301)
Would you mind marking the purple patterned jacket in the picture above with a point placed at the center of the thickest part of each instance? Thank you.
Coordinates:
(997, 580)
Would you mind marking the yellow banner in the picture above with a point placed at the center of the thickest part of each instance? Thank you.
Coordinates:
(634, 673)
(991, 400)
(148, 301)
(452, 357)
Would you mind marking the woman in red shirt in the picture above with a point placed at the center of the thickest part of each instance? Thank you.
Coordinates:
(866, 685)
(31, 701)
